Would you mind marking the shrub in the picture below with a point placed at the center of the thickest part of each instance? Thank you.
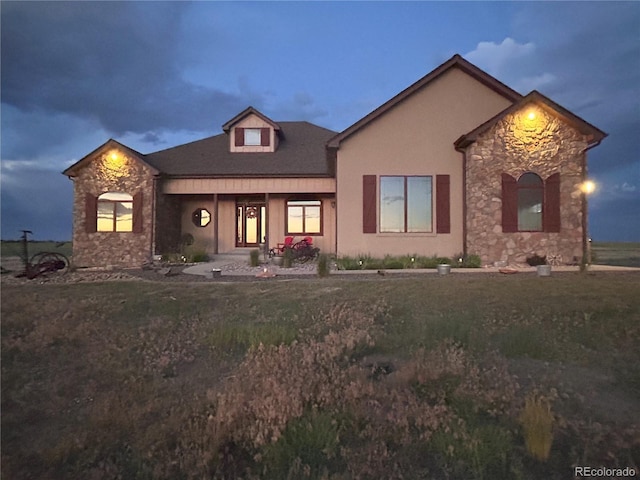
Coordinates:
(467, 261)
(287, 258)
(537, 423)
(323, 265)
(254, 258)
(199, 257)
(536, 259)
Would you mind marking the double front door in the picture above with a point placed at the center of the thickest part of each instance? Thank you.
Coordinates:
(250, 221)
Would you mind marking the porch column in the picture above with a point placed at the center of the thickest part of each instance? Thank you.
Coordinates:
(215, 223)
(266, 221)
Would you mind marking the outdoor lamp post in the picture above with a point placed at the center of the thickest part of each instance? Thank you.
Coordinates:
(587, 187)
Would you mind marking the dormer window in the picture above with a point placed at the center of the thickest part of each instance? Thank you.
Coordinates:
(252, 136)
(252, 132)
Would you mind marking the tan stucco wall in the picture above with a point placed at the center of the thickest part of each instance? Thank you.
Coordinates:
(413, 138)
(253, 121)
(104, 174)
(516, 145)
(227, 223)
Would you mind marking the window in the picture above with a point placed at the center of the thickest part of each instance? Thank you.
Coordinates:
(529, 204)
(115, 212)
(405, 204)
(252, 136)
(530, 201)
(201, 217)
(304, 217)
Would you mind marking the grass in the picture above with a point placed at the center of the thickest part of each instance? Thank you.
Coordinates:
(127, 378)
(13, 248)
(625, 254)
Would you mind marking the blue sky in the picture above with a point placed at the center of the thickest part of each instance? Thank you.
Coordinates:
(158, 74)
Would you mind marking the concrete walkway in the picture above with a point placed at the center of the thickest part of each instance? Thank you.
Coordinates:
(238, 265)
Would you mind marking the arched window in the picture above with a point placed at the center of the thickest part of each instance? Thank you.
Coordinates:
(115, 212)
(530, 202)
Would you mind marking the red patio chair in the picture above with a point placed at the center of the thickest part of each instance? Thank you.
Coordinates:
(280, 248)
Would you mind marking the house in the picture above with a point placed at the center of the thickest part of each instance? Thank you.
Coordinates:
(456, 163)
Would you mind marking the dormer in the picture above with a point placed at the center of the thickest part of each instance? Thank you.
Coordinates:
(250, 131)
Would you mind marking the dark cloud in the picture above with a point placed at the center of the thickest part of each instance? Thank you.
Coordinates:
(37, 200)
(113, 63)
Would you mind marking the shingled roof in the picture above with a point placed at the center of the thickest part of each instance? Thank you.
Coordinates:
(301, 152)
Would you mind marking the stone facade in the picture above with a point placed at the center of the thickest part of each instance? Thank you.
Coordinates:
(112, 171)
(528, 140)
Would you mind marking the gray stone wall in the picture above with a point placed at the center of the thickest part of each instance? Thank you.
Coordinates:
(530, 140)
(112, 174)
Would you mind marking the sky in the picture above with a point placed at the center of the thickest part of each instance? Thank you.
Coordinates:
(153, 75)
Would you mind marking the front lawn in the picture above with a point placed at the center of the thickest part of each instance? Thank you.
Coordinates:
(463, 376)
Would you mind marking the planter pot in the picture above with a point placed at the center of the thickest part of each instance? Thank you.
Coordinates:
(216, 272)
(544, 270)
(444, 269)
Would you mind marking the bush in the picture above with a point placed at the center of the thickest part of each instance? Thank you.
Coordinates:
(467, 261)
(537, 423)
(535, 260)
(323, 265)
(254, 258)
(287, 258)
(199, 257)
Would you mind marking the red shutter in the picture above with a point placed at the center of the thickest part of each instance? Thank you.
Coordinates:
(90, 213)
(551, 209)
(443, 204)
(264, 136)
(138, 217)
(239, 133)
(369, 224)
(509, 203)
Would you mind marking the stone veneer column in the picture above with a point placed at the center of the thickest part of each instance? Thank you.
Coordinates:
(117, 174)
(519, 143)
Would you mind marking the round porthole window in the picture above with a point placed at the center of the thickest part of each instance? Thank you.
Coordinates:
(201, 217)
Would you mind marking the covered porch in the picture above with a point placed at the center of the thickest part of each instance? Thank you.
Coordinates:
(224, 215)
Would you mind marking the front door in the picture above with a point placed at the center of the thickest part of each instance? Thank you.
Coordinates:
(250, 224)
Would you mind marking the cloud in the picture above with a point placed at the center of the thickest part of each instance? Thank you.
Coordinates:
(495, 58)
(527, 84)
(37, 200)
(301, 106)
(113, 64)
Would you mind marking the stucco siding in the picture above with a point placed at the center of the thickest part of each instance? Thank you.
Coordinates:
(415, 137)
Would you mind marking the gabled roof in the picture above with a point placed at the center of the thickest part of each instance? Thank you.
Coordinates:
(108, 145)
(246, 112)
(301, 152)
(454, 62)
(595, 134)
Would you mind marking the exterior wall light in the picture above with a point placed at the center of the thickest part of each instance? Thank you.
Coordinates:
(588, 187)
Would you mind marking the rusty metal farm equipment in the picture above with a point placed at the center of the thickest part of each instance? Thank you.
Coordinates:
(42, 262)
